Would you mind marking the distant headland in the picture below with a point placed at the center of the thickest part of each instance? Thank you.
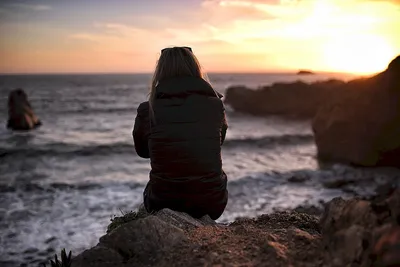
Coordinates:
(305, 72)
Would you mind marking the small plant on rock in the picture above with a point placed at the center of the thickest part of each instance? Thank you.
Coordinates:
(65, 260)
(127, 217)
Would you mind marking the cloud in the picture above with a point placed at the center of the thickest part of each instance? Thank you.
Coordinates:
(120, 38)
(228, 35)
(239, 25)
(228, 11)
(30, 7)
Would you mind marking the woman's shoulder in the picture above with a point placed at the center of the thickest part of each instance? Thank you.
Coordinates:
(143, 106)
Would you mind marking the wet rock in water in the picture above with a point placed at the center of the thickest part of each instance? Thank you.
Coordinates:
(20, 113)
(305, 72)
(347, 130)
(296, 100)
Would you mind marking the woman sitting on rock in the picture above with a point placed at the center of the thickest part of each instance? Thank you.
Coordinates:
(181, 129)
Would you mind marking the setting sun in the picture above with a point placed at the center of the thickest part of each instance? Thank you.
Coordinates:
(358, 54)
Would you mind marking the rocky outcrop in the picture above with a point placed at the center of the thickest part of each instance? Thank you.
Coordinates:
(351, 232)
(362, 233)
(362, 125)
(20, 113)
(305, 72)
(170, 238)
(298, 99)
(143, 240)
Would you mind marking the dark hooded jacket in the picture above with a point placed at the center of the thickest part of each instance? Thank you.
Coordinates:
(182, 135)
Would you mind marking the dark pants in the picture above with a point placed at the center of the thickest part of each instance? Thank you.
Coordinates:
(196, 205)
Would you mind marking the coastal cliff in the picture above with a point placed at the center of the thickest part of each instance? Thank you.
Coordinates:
(355, 122)
(352, 232)
(297, 99)
(362, 125)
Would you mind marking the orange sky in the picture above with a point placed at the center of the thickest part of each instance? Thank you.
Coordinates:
(227, 36)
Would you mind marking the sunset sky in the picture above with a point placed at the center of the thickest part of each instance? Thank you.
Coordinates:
(48, 36)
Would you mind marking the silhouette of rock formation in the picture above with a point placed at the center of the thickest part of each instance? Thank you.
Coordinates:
(305, 72)
(297, 99)
(20, 113)
(361, 124)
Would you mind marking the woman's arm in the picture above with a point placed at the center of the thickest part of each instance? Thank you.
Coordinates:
(141, 130)
(224, 128)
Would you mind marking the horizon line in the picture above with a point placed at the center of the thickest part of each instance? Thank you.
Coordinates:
(294, 72)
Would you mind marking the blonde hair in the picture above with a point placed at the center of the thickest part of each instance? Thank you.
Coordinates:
(175, 62)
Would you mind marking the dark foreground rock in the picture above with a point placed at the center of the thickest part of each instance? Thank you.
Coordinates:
(20, 113)
(362, 125)
(279, 239)
(296, 100)
(362, 233)
(351, 232)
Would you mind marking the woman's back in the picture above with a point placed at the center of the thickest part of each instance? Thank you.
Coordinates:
(181, 129)
(185, 138)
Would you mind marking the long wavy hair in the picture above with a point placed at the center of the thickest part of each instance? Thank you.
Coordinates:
(174, 62)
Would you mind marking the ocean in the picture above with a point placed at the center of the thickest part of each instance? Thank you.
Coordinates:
(61, 184)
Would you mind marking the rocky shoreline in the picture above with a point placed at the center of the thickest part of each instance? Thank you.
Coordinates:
(297, 100)
(346, 232)
(353, 232)
(355, 122)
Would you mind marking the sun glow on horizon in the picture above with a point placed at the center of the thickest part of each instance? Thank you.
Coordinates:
(359, 54)
(348, 36)
(353, 45)
(352, 36)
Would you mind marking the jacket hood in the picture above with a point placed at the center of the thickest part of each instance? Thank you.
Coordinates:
(184, 86)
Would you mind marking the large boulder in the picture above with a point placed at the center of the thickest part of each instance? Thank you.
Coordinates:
(361, 125)
(297, 99)
(20, 113)
(362, 233)
(141, 239)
